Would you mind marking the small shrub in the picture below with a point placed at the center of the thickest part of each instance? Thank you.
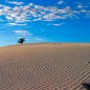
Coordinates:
(21, 40)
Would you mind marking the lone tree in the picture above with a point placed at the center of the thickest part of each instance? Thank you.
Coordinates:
(21, 40)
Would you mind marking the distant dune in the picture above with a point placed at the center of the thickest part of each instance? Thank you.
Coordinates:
(53, 66)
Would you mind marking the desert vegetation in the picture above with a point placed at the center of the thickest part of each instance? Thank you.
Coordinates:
(21, 40)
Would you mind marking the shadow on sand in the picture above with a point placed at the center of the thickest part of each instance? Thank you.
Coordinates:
(86, 85)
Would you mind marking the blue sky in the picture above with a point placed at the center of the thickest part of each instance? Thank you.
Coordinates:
(44, 21)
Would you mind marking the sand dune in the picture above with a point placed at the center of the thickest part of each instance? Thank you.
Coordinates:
(44, 67)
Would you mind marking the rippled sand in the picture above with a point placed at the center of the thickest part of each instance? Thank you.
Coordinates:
(44, 67)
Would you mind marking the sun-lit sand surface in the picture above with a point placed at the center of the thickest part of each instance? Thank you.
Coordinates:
(44, 66)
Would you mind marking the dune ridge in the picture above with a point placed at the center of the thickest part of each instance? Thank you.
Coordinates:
(52, 66)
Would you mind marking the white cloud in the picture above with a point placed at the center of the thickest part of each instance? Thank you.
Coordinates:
(80, 6)
(15, 2)
(38, 39)
(34, 39)
(22, 33)
(60, 2)
(31, 12)
(58, 24)
(16, 24)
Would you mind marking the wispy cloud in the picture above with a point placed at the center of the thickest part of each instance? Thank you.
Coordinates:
(60, 2)
(16, 24)
(58, 24)
(22, 33)
(15, 2)
(38, 39)
(34, 39)
(80, 6)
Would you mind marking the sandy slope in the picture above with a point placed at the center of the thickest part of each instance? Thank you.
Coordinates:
(44, 67)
